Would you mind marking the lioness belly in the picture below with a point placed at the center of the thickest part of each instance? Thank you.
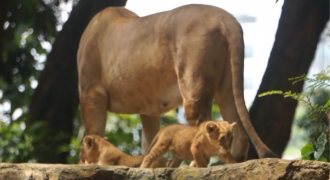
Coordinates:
(136, 98)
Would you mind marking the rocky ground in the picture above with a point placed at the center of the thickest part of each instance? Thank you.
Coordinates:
(261, 169)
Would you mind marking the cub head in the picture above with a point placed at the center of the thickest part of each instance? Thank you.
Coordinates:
(220, 134)
(90, 149)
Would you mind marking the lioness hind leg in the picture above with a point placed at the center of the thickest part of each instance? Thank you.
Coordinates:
(150, 127)
(197, 94)
(197, 91)
(198, 68)
(226, 103)
(93, 103)
(197, 111)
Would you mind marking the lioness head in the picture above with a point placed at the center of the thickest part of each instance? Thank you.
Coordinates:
(220, 134)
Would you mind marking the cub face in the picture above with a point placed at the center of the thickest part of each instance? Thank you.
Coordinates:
(89, 151)
(220, 134)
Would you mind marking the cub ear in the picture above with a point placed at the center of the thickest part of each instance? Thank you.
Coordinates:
(233, 124)
(210, 127)
(89, 142)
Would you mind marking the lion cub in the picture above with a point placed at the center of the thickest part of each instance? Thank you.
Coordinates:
(97, 150)
(198, 143)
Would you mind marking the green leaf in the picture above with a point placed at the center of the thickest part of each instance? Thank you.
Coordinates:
(323, 159)
(307, 150)
(320, 145)
(327, 104)
(270, 93)
(298, 79)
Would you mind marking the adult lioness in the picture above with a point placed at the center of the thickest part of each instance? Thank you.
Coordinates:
(150, 65)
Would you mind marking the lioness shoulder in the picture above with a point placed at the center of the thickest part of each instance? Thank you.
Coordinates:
(210, 138)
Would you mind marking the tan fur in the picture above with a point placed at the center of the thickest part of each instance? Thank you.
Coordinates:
(211, 138)
(149, 65)
(97, 150)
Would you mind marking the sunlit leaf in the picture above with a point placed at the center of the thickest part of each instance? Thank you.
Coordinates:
(327, 104)
(307, 150)
(270, 93)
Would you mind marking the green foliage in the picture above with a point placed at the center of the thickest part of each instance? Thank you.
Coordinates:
(28, 26)
(11, 145)
(316, 100)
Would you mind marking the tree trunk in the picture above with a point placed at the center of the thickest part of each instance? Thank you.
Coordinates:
(3, 5)
(55, 100)
(299, 29)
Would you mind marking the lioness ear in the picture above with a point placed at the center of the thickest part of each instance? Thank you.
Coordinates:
(210, 127)
(233, 124)
(89, 142)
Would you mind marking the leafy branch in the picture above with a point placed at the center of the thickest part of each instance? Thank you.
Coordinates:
(318, 147)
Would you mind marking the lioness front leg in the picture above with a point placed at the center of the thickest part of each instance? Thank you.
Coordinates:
(150, 127)
(93, 103)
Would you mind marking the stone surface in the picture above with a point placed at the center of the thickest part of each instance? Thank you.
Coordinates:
(260, 169)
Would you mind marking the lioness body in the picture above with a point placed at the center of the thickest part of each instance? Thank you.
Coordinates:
(97, 150)
(149, 65)
(192, 143)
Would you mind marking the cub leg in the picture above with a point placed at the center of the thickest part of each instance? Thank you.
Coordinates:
(156, 151)
(93, 103)
(173, 162)
(199, 158)
(150, 127)
(192, 164)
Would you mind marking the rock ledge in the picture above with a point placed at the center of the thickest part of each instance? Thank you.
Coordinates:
(269, 168)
